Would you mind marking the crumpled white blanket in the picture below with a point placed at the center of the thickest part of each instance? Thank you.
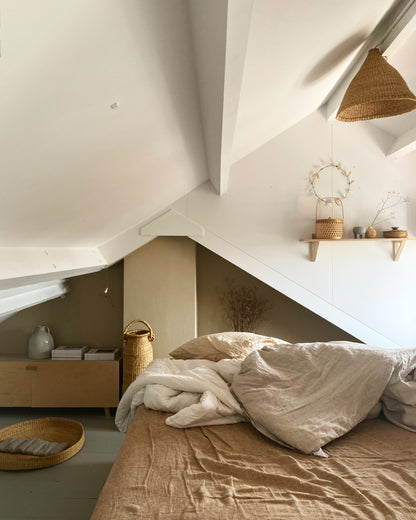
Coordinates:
(196, 391)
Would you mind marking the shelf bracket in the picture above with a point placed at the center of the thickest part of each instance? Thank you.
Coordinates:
(313, 251)
(398, 246)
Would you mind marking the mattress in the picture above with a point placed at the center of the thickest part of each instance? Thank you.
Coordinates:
(234, 472)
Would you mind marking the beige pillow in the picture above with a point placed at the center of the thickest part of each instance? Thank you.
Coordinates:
(223, 345)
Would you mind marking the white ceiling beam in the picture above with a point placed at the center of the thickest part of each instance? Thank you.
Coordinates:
(401, 31)
(16, 299)
(209, 28)
(220, 31)
(172, 223)
(238, 28)
(403, 145)
(27, 265)
(389, 35)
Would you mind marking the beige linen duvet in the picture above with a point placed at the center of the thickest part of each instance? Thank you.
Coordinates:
(307, 394)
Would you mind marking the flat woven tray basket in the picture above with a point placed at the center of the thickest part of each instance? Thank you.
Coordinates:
(52, 429)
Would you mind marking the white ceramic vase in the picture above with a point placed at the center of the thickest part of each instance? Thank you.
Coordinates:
(40, 343)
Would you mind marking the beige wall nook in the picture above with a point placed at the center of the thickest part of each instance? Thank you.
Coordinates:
(160, 288)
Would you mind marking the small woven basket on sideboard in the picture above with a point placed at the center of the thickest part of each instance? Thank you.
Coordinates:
(137, 352)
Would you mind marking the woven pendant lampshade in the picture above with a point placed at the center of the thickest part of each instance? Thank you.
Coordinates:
(377, 90)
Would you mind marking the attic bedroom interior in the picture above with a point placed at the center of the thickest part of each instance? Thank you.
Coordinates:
(207, 259)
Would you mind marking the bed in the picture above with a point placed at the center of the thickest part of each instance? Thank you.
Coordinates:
(232, 471)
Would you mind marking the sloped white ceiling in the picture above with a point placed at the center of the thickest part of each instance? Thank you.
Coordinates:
(75, 171)
(296, 54)
(403, 59)
(112, 110)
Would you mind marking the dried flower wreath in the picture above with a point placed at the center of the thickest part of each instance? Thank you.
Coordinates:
(330, 200)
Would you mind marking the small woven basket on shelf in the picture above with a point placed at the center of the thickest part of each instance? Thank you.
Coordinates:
(330, 228)
(137, 352)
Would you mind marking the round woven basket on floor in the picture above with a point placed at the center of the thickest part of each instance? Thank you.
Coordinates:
(137, 352)
(52, 429)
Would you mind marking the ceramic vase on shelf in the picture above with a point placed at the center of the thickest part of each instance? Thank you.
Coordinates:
(370, 233)
(40, 343)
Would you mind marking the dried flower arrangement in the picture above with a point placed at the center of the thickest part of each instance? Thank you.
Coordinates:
(392, 200)
(243, 307)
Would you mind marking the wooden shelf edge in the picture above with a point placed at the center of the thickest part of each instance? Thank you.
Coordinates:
(398, 244)
(356, 239)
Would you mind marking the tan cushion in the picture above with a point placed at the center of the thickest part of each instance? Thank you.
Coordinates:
(223, 345)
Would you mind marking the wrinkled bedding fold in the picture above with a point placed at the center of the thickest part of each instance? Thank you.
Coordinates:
(233, 472)
(309, 394)
(195, 391)
(302, 396)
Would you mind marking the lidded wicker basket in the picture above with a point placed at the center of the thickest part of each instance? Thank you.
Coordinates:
(330, 228)
(137, 352)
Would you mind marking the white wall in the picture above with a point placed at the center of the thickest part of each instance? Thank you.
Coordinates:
(160, 288)
(257, 225)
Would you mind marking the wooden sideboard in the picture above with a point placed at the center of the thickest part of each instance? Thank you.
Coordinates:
(60, 384)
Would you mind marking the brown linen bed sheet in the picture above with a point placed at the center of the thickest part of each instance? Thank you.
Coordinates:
(233, 472)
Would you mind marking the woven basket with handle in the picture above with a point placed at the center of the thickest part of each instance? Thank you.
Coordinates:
(137, 351)
(330, 228)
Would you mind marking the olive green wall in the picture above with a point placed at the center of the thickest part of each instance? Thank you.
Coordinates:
(286, 319)
(85, 316)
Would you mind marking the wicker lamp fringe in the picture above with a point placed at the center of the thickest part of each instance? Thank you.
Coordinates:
(137, 352)
(377, 90)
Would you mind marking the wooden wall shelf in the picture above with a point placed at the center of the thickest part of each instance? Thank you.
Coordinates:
(398, 244)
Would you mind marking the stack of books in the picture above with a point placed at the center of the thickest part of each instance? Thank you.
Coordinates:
(107, 354)
(68, 353)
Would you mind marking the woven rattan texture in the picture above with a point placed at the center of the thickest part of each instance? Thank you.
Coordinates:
(377, 90)
(329, 228)
(53, 429)
(137, 352)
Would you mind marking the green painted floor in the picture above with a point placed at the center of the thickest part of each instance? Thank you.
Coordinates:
(69, 490)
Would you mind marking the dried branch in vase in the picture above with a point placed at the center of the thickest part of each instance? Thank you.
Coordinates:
(243, 307)
(392, 200)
